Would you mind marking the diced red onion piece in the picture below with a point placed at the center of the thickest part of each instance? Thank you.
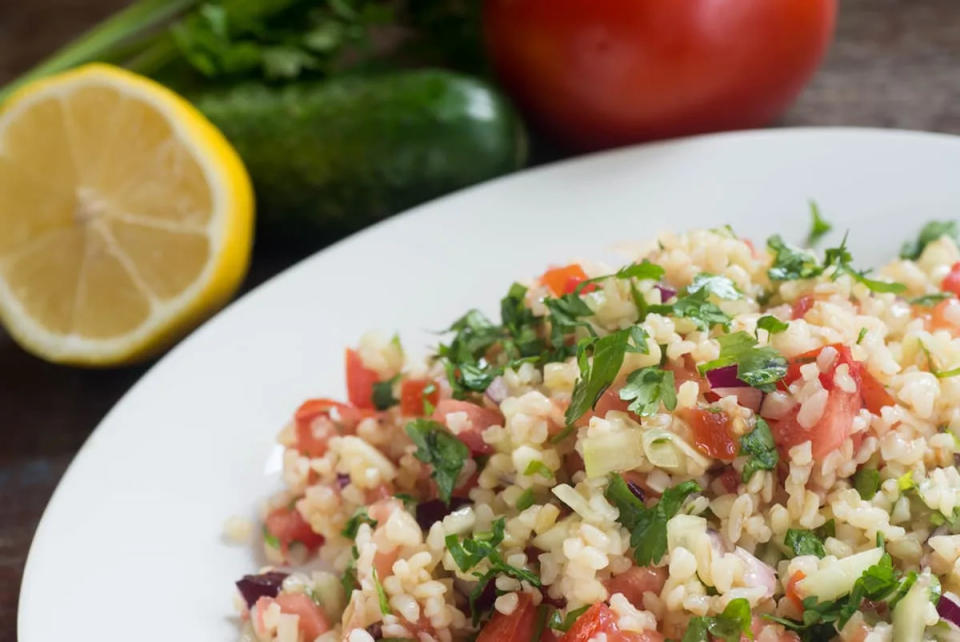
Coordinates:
(949, 609)
(666, 293)
(497, 390)
(253, 587)
(725, 377)
(434, 510)
(747, 397)
(757, 573)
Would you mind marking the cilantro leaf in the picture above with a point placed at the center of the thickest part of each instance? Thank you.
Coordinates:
(646, 388)
(818, 225)
(867, 482)
(928, 234)
(647, 526)
(790, 263)
(772, 324)
(442, 450)
(760, 449)
(597, 376)
(714, 284)
(353, 524)
(804, 542)
(729, 626)
(759, 367)
(383, 393)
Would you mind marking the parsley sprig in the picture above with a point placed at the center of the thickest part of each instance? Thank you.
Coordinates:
(647, 388)
(728, 626)
(442, 450)
(757, 366)
(760, 449)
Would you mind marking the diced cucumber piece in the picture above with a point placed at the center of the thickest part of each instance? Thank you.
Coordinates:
(836, 578)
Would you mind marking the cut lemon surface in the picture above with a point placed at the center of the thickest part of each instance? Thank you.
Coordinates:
(125, 217)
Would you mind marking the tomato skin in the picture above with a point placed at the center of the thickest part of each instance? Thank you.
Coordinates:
(712, 433)
(828, 433)
(801, 306)
(360, 380)
(480, 418)
(610, 72)
(951, 282)
(312, 622)
(564, 280)
(288, 526)
(599, 618)
(875, 396)
(412, 397)
(312, 436)
(637, 581)
(516, 627)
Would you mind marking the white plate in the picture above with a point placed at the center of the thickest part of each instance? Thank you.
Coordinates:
(130, 544)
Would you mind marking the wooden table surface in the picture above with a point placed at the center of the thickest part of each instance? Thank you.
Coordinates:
(895, 63)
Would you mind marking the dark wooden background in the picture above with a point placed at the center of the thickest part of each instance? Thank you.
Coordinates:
(895, 63)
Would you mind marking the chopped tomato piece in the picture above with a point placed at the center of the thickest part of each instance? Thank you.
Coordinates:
(801, 306)
(479, 417)
(288, 526)
(875, 396)
(599, 618)
(828, 433)
(312, 622)
(944, 315)
(760, 626)
(951, 282)
(413, 394)
(517, 627)
(313, 435)
(609, 400)
(790, 590)
(360, 380)
(636, 582)
(564, 280)
(826, 378)
(712, 433)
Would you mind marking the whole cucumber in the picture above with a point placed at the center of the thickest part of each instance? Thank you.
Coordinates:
(330, 156)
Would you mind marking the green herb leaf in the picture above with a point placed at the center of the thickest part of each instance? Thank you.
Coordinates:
(861, 335)
(930, 232)
(383, 393)
(563, 623)
(381, 594)
(760, 449)
(647, 526)
(840, 257)
(349, 579)
(772, 324)
(526, 500)
(646, 388)
(818, 225)
(790, 263)
(472, 550)
(640, 271)
(442, 450)
(729, 626)
(804, 542)
(537, 467)
(760, 367)
(867, 482)
(719, 286)
(697, 308)
(930, 300)
(353, 524)
(270, 539)
(597, 376)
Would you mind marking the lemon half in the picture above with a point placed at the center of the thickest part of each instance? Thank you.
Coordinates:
(125, 217)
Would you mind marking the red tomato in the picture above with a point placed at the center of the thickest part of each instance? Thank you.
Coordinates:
(610, 72)
(312, 622)
(712, 433)
(790, 590)
(360, 380)
(599, 618)
(828, 433)
(313, 435)
(759, 626)
(412, 396)
(516, 627)
(636, 582)
(951, 282)
(826, 378)
(288, 526)
(801, 306)
(875, 396)
(564, 280)
(480, 419)
(942, 317)
(609, 400)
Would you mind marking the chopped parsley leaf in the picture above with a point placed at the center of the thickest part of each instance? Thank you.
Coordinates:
(442, 450)
(759, 367)
(818, 225)
(646, 388)
(804, 542)
(537, 467)
(381, 594)
(596, 376)
(716, 285)
(349, 579)
(930, 300)
(353, 524)
(867, 482)
(563, 623)
(934, 369)
(928, 234)
(647, 526)
(772, 324)
(270, 539)
(729, 626)
(861, 335)
(566, 312)
(383, 393)
(526, 500)
(697, 308)
(790, 263)
(841, 258)
(760, 449)
(641, 271)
